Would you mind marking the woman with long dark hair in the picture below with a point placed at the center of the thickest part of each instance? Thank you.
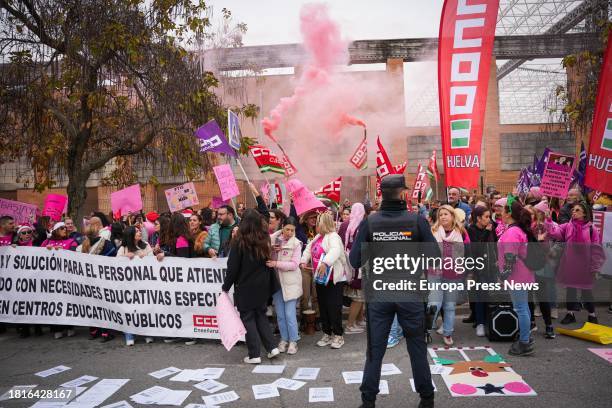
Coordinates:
(512, 252)
(199, 233)
(254, 282)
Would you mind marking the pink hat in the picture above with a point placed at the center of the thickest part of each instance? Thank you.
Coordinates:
(536, 193)
(542, 206)
(501, 202)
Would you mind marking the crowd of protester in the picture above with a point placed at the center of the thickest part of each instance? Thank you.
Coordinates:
(281, 264)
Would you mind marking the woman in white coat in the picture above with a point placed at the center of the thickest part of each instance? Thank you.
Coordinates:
(326, 254)
(286, 253)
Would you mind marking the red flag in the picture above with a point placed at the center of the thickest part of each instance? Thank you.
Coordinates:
(359, 159)
(290, 169)
(432, 168)
(465, 46)
(599, 163)
(266, 160)
(400, 168)
(331, 190)
(383, 164)
(421, 185)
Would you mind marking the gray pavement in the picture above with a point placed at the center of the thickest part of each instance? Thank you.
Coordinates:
(562, 371)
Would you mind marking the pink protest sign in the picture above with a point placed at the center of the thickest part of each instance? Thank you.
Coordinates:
(182, 196)
(22, 213)
(557, 175)
(127, 200)
(304, 200)
(227, 182)
(218, 202)
(54, 206)
(605, 353)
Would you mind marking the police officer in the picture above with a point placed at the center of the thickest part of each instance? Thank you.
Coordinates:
(394, 223)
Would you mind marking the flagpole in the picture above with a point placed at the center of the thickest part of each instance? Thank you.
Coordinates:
(245, 175)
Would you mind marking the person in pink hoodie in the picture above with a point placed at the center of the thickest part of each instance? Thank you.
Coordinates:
(582, 259)
(512, 250)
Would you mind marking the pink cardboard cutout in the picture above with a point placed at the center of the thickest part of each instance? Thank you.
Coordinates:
(54, 206)
(126, 200)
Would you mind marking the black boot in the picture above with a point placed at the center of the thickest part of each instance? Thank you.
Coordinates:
(367, 404)
(521, 349)
(427, 402)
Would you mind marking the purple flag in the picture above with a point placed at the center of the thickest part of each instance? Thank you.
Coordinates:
(542, 163)
(212, 139)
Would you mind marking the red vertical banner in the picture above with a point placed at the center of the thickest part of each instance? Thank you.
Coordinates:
(598, 174)
(465, 46)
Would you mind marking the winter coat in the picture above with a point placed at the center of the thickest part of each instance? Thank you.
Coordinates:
(334, 256)
(288, 267)
(582, 255)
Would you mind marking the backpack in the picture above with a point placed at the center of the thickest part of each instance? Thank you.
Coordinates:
(536, 254)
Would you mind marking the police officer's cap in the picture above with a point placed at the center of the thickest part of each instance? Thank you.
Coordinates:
(393, 181)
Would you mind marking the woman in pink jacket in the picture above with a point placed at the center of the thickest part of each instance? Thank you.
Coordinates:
(286, 254)
(512, 250)
(582, 259)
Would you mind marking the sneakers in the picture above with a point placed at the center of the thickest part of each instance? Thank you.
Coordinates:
(129, 342)
(70, 333)
(293, 348)
(275, 352)
(440, 330)
(325, 341)
(169, 340)
(393, 341)
(106, 337)
(592, 319)
(534, 327)
(521, 349)
(537, 312)
(190, 342)
(282, 346)
(448, 340)
(568, 319)
(480, 330)
(254, 360)
(94, 334)
(58, 335)
(550, 332)
(148, 340)
(554, 313)
(353, 329)
(337, 342)
(363, 323)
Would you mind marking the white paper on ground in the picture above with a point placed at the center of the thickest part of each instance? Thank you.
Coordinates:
(269, 369)
(184, 376)
(383, 386)
(164, 372)
(150, 395)
(97, 394)
(7, 394)
(210, 386)
(263, 391)
(389, 369)
(120, 404)
(216, 399)
(440, 369)
(352, 377)
(414, 389)
(174, 397)
(288, 384)
(77, 382)
(212, 373)
(323, 394)
(200, 406)
(306, 373)
(52, 371)
(60, 402)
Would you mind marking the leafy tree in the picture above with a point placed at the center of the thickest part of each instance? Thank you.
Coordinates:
(86, 83)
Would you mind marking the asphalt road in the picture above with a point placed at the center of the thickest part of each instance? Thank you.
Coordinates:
(562, 371)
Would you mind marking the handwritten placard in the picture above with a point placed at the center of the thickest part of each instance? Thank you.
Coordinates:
(227, 182)
(182, 196)
(557, 175)
(55, 205)
(22, 213)
(127, 200)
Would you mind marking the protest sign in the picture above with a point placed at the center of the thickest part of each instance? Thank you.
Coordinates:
(126, 200)
(55, 205)
(602, 220)
(182, 196)
(173, 298)
(557, 175)
(218, 202)
(227, 182)
(22, 213)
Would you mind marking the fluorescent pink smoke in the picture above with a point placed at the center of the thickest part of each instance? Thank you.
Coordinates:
(325, 48)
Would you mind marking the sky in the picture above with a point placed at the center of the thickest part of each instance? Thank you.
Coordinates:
(277, 21)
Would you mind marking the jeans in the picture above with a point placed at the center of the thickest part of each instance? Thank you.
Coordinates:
(128, 336)
(520, 303)
(257, 326)
(330, 307)
(480, 312)
(396, 330)
(285, 314)
(411, 318)
(447, 300)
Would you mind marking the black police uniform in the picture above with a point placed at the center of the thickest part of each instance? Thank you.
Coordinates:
(393, 217)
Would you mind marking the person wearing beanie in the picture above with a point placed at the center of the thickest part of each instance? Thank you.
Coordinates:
(24, 236)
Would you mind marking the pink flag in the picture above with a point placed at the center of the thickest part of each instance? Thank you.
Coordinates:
(231, 328)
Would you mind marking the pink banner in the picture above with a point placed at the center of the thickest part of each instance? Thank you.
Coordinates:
(227, 182)
(127, 200)
(557, 175)
(55, 205)
(22, 213)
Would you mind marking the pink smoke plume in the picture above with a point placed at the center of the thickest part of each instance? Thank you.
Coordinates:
(325, 48)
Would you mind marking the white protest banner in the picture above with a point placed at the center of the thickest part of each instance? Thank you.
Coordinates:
(172, 298)
(182, 196)
(22, 213)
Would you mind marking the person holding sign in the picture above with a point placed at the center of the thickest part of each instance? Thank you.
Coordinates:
(254, 282)
(134, 246)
